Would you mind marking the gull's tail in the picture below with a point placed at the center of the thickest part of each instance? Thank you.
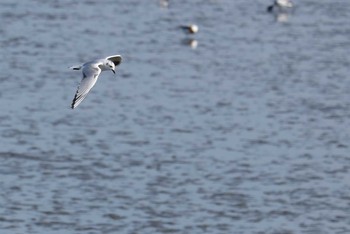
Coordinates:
(75, 67)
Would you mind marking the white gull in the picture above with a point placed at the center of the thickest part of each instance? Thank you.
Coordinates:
(280, 4)
(91, 71)
(190, 29)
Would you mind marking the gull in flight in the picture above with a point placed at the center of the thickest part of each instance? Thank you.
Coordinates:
(91, 70)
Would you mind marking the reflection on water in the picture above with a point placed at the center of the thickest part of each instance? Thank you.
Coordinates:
(282, 17)
(164, 3)
(190, 42)
(244, 134)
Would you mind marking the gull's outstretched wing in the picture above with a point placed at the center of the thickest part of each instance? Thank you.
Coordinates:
(90, 75)
(116, 59)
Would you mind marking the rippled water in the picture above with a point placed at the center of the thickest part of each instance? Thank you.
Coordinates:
(246, 133)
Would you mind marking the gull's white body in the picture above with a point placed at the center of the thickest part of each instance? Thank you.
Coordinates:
(191, 29)
(91, 71)
(281, 5)
(284, 3)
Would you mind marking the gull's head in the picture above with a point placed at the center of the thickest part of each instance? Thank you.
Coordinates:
(109, 65)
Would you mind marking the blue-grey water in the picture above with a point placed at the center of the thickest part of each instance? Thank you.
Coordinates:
(246, 133)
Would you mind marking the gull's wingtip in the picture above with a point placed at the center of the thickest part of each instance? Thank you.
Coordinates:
(72, 105)
(74, 101)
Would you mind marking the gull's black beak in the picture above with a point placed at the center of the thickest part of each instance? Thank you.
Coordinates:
(113, 71)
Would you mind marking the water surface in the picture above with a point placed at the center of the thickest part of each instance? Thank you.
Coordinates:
(246, 133)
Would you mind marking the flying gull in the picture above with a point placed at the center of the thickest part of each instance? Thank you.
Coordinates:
(91, 71)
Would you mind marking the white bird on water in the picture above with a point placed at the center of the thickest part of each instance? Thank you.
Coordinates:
(91, 70)
(280, 4)
(190, 29)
